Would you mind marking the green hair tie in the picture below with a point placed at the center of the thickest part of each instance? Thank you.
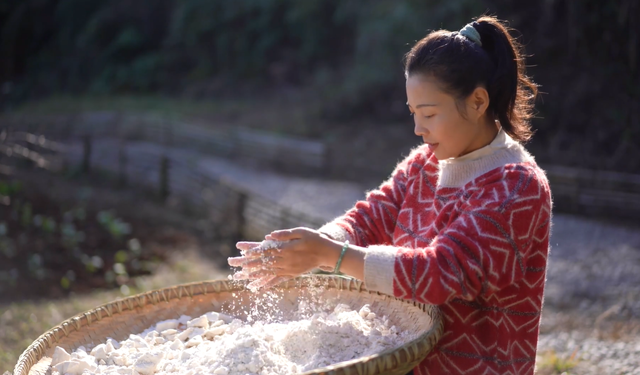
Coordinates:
(471, 33)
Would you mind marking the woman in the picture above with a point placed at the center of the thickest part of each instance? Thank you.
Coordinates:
(463, 222)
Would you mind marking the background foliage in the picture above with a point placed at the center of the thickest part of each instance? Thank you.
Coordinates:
(583, 53)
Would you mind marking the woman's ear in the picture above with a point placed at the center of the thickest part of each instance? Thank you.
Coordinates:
(478, 102)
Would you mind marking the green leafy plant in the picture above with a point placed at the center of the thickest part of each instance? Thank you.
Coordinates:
(36, 266)
(71, 237)
(26, 215)
(9, 188)
(550, 363)
(68, 278)
(116, 226)
(8, 278)
(49, 225)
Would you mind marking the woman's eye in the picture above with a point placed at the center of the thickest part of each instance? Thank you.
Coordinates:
(412, 114)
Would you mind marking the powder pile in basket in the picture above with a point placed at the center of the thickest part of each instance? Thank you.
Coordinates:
(218, 344)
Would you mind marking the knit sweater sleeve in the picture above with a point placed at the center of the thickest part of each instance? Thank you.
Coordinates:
(501, 226)
(372, 220)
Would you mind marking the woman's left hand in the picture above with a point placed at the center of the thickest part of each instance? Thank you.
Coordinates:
(301, 250)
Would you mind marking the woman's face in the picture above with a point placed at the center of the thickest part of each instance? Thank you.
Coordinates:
(438, 121)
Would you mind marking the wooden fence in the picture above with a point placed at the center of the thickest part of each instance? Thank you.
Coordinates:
(595, 193)
(291, 154)
(173, 173)
(176, 173)
(575, 190)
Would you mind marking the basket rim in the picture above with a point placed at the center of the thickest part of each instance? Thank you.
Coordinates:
(36, 350)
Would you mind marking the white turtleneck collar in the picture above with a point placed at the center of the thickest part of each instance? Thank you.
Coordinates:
(456, 172)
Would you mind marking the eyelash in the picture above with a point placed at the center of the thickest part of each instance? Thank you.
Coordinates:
(412, 114)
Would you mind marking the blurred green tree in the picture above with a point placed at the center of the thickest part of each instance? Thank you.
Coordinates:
(583, 53)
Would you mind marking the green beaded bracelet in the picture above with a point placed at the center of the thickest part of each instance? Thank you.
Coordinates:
(344, 250)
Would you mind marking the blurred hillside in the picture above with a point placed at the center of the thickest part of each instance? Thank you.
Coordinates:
(346, 53)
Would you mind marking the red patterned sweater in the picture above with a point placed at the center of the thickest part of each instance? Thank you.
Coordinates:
(470, 235)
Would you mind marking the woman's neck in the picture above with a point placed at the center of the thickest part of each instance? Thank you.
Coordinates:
(487, 133)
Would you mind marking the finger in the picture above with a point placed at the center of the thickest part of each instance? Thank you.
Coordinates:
(246, 245)
(238, 261)
(287, 234)
(241, 275)
(252, 275)
(242, 261)
(249, 262)
(257, 284)
(261, 274)
(270, 260)
(260, 252)
(260, 262)
(254, 263)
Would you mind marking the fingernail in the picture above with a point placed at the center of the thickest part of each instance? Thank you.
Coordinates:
(240, 275)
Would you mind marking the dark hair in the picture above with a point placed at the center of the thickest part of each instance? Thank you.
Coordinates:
(461, 65)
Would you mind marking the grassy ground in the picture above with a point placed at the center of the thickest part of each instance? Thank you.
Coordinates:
(287, 114)
(191, 257)
(22, 322)
(550, 363)
(149, 104)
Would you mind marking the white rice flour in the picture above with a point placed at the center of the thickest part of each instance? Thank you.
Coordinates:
(215, 343)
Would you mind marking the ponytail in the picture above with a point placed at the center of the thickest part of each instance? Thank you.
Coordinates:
(461, 62)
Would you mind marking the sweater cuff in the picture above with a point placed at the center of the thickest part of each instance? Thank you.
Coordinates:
(379, 263)
(335, 232)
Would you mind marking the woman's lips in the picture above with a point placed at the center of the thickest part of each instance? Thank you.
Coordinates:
(432, 146)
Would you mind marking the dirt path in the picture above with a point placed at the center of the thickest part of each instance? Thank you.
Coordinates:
(322, 199)
(592, 297)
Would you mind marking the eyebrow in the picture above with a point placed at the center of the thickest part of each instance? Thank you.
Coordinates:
(421, 105)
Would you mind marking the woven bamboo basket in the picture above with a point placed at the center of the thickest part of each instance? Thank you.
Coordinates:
(136, 313)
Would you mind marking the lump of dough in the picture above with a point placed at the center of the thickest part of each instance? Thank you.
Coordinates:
(201, 322)
(166, 324)
(76, 366)
(100, 352)
(195, 341)
(59, 355)
(147, 363)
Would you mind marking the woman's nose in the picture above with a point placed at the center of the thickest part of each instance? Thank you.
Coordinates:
(419, 131)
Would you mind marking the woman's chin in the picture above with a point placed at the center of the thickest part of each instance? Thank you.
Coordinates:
(440, 155)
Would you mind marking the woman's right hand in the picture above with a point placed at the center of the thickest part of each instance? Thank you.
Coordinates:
(259, 277)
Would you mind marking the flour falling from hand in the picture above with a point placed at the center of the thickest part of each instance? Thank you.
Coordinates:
(315, 335)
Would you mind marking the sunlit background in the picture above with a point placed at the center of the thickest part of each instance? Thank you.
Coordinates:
(139, 139)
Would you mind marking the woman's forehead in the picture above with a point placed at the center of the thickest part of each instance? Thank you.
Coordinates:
(422, 90)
